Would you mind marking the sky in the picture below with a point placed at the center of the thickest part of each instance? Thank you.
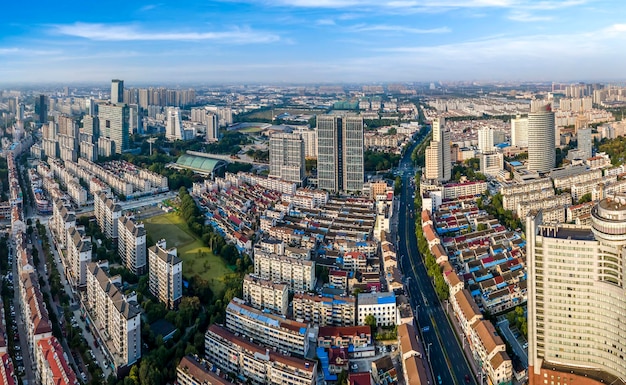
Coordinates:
(311, 41)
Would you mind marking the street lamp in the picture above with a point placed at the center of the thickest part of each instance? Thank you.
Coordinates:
(428, 352)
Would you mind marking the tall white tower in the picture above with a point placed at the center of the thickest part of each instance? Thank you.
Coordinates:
(438, 156)
(173, 124)
(541, 140)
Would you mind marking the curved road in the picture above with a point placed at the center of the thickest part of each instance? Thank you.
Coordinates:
(446, 356)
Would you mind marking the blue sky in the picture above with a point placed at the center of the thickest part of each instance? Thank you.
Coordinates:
(304, 41)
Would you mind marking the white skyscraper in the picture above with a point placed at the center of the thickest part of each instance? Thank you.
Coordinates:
(541, 139)
(519, 132)
(438, 156)
(173, 124)
(340, 152)
(117, 91)
(485, 139)
(287, 157)
(212, 127)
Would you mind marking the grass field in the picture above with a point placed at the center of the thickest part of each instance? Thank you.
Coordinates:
(197, 258)
(251, 130)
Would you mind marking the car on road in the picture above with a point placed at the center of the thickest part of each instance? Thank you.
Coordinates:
(439, 379)
(467, 379)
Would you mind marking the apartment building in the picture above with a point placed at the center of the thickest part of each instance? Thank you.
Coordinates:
(165, 274)
(193, 372)
(344, 336)
(560, 201)
(232, 353)
(264, 294)
(52, 368)
(115, 317)
(324, 310)
(413, 365)
(7, 372)
(298, 274)
(526, 187)
(381, 305)
(582, 175)
(586, 187)
(286, 336)
(107, 214)
(131, 244)
(490, 352)
(511, 201)
(34, 312)
(79, 250)
(62, 219)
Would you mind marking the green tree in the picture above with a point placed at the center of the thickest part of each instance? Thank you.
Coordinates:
(585, 198)
(371, 321)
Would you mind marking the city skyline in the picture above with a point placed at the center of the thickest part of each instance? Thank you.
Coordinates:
(303, 41)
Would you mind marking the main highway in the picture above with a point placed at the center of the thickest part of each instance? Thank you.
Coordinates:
(449, 365)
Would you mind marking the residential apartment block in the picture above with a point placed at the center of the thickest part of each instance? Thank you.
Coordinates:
(264, 294)
(285, 335)
(62, 219)
(193, 372)
(115, 317)
(52, 368)
(324, 310)
(165, 274)
(256, 364)
(381, 305)
(297, 273)
(79, 250)
(131, 244)
(107, 214)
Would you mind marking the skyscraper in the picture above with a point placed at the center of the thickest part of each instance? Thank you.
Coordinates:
(485, 139)
(519, 132)
(287, 157)
(113, 123)
(117, 91)
(173, 124)
(584, 140)
(212, 127)
(438, 156)
(577, 298)
(41, 109)
(541, 137)
(340, 152)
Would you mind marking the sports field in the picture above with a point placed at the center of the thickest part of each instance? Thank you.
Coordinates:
(197, 258)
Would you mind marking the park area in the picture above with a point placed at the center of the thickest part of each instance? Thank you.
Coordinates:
(198, 260)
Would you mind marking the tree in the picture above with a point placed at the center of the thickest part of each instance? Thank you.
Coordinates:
(342, 378)
(371, 321)
(585, 198)
(397, 185)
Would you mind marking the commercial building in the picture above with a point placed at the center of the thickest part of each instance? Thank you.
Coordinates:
(541, 138)
(212, 128)
(340, 153)
(309, 136)
(165, 274)
(324, 310)
(287, 157)
(286, 336)
(577, 299)
(131, 244)
(174, 125)
(115, 317)
(264, 294)
(438, 155)
(114, 124)
(519, 132)
(381, 305)
(117, 91)
(256, 364)
(485, 139)
(491, 163)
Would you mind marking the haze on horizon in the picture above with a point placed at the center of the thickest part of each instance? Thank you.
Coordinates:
(307, 41)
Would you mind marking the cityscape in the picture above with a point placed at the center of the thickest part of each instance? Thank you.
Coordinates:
(341, 192)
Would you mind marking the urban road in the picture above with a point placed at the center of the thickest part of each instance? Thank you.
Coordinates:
(449, 365)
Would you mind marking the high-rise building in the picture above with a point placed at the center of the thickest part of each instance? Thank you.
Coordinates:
(584, 143)
(541, 137)
(173, 124)
(519, 132)
(310, 141)
(41, 109)
(287, 157)
(117, 91)
(113, 123)
(577, 298)
(485, 139)
(166, 274)
(212, 127)
(438, 155)
(340, 153)
(131, 244)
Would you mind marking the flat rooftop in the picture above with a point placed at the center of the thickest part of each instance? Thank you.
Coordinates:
(578, 234)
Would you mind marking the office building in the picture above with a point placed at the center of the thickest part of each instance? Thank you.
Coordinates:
(190, 371)
(114, 124)
(173, 124)
(519, 132)
(117, 91)
(79, 249)
(41, 109)
(131, 244)
(491, 163)
(287, 157)
(381, 305)
(340, 153)
(541, 137)
(438, 155)
(585, 143)
(114, 316)
(285, 335)
(107, 214)
(264, 294)
(577, 298)
(212, 128)
(165, 274)
(254, 363)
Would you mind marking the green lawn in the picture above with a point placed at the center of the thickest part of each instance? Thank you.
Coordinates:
(197, 258)
(251, 130)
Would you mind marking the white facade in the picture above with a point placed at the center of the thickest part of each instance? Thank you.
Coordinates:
(287, 157)
(541, 138)
(165, 274)
(131, 244)
(266, 295)
(297, 273)
(438, 155)
(173, 124)
(485, 139)
(78, 254)
(381, 305)
(519, 132)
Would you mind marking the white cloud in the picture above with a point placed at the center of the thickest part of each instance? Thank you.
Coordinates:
(325, 22)
(103, 32)
(396, 28)
(526, 17)
(26, 52)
